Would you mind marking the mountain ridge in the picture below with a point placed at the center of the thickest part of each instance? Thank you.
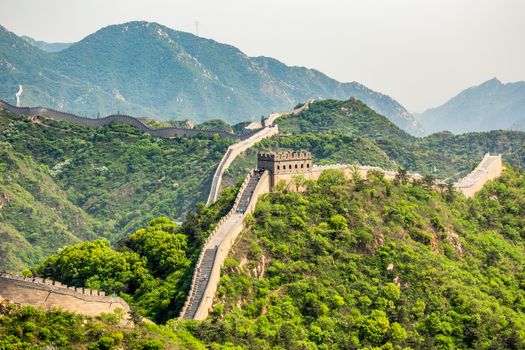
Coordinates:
(169, 74)
(45, 46)
(488, 106)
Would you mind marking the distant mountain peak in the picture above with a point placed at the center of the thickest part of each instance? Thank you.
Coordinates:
(492, 82)
(45, 46)
(488, 106)
(170, 74)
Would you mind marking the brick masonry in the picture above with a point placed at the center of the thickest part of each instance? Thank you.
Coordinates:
(52, 294)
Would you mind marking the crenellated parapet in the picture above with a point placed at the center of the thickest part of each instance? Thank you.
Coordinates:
(284, 163)
(48, 293)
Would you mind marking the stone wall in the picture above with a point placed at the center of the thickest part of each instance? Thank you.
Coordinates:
(94, 123)
(52, 294)
(348, 171)
(233, 152)
(236, 149)
(263, 186)
(222, 239)
(489, 169)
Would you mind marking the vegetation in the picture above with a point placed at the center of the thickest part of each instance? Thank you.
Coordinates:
(355, 263)
(215, 125)
(36, 216)
(31, 328)
(160, 124)
(61, 183)
(349, 263)
(151, 269)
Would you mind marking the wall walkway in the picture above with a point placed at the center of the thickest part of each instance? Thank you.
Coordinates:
(207, 271)
(236, 149)
(489, 169)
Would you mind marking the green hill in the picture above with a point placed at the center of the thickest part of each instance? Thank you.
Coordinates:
(146, 69)
(36, 216)
(67, 183)
(370, 264)
(349, 263)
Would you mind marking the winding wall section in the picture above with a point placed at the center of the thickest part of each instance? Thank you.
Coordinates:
(236, 149)
(489, 169)
(95, 123)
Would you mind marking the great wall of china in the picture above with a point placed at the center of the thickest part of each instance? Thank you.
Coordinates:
(53, 294)
(489, 169)
(95, 123)
(268, 130)
(218, 245)
(272, 168)
(50, 294)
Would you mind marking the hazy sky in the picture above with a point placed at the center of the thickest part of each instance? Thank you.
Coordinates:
(420, 52)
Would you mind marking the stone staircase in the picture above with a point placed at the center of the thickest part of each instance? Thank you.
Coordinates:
(247, 193)
(203, 274)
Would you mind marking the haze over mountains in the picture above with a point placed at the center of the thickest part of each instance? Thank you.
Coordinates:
(45, 46)
(489, 106)
(146, 69)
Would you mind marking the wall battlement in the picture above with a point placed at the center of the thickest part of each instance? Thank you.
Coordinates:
(53, 294)
(286, 155)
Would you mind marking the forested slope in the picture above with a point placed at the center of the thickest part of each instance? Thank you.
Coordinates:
(349, 263)
(368, 264)
(68, 183)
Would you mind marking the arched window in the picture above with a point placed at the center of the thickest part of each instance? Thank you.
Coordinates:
(278, 167)
(295, 166)
(290, 166)
(302, 166)
(307, 165)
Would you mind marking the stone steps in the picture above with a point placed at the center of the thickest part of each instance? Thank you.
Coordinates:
(203, 270)
(201, 282)
(247, 194)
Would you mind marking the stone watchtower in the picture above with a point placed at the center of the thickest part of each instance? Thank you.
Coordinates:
(282, 165)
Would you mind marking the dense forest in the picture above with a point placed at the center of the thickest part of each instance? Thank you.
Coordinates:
(61, 183)
(348, 263)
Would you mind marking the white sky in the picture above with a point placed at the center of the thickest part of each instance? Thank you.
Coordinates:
(420, 52)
